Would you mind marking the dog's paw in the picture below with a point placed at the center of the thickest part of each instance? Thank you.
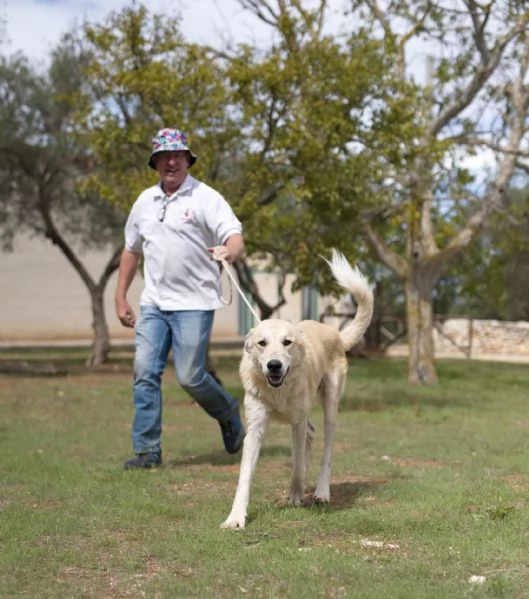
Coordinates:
(295, 500)
(234, 522)
(321, 496)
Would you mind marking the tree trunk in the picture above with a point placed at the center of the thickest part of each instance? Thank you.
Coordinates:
(420, 317)
(101, 342)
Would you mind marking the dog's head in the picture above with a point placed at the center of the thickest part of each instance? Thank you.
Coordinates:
(275, 347)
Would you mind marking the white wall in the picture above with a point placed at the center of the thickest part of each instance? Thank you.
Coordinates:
(42, 298)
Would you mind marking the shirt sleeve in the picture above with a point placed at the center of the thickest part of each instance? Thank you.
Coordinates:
(133, 240)
(222, 220)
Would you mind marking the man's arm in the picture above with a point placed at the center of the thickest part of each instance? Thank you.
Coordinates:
(128, 266)
(232, 250)
(235, 245)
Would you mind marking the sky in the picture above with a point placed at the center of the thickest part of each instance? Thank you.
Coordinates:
(34, 26)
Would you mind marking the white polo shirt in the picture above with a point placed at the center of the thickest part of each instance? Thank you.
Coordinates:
(178, 270)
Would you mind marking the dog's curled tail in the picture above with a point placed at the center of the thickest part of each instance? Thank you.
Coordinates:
(358, 286)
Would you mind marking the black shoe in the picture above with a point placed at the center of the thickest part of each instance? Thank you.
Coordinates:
(232, 433)
(144, 461)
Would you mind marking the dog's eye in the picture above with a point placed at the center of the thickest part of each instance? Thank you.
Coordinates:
(262, 343)
(287, 342)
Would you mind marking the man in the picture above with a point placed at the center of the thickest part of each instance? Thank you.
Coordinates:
(178, 225)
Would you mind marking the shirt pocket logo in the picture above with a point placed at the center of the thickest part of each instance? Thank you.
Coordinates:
(187, 215)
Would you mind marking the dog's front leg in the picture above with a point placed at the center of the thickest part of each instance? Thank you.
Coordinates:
(297, 485)
(322, 493)
(257, 420)
(311, 431)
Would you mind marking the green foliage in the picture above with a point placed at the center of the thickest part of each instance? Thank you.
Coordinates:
(309, 109)
(141, 76)
(276, 132)
(493, 273)
(43, 163)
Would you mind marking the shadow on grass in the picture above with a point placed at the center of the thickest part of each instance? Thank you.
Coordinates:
(221, 458)
(344, 495)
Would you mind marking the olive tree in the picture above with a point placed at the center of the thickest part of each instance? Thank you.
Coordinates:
(42, 170)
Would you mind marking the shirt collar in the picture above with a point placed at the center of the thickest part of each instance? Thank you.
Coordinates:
(186, 187)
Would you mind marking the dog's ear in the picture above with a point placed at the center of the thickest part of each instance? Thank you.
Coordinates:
(300, 338)
(248, 340)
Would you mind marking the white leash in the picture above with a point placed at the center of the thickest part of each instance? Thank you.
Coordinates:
(233, 281)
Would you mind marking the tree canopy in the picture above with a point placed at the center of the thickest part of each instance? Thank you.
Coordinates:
(427, 205)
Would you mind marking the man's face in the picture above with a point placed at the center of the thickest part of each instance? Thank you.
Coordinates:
(172, 167)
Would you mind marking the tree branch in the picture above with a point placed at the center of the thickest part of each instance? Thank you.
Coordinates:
(52, 233)
(474, 10)
(110, 267)
(490, 61)
(268, 16)
(392, 260)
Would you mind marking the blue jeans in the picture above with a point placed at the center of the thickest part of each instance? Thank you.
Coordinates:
(187, 332)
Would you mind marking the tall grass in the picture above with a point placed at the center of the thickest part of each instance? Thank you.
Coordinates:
(429, 488)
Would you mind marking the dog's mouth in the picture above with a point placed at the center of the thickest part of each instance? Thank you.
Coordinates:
(275, 380)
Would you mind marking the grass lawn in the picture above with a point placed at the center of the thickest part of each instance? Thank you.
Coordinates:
(430, 487)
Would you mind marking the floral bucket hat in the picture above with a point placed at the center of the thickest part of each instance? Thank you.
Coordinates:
(170, 140)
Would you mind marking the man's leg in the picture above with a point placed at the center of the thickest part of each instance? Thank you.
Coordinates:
(191, 334)
(210, 367)
(153, 341)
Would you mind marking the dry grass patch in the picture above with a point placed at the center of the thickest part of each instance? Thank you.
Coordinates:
(519, 482)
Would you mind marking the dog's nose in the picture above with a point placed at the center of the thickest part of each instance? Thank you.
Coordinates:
(274, 365)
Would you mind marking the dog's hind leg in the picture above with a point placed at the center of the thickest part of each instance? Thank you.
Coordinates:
(297, 484)
(331, 393)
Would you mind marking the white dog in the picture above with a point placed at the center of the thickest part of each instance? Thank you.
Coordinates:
(285, 369)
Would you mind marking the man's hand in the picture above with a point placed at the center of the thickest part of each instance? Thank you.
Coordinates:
(220, 253)
(231, 251)
(125, 313)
